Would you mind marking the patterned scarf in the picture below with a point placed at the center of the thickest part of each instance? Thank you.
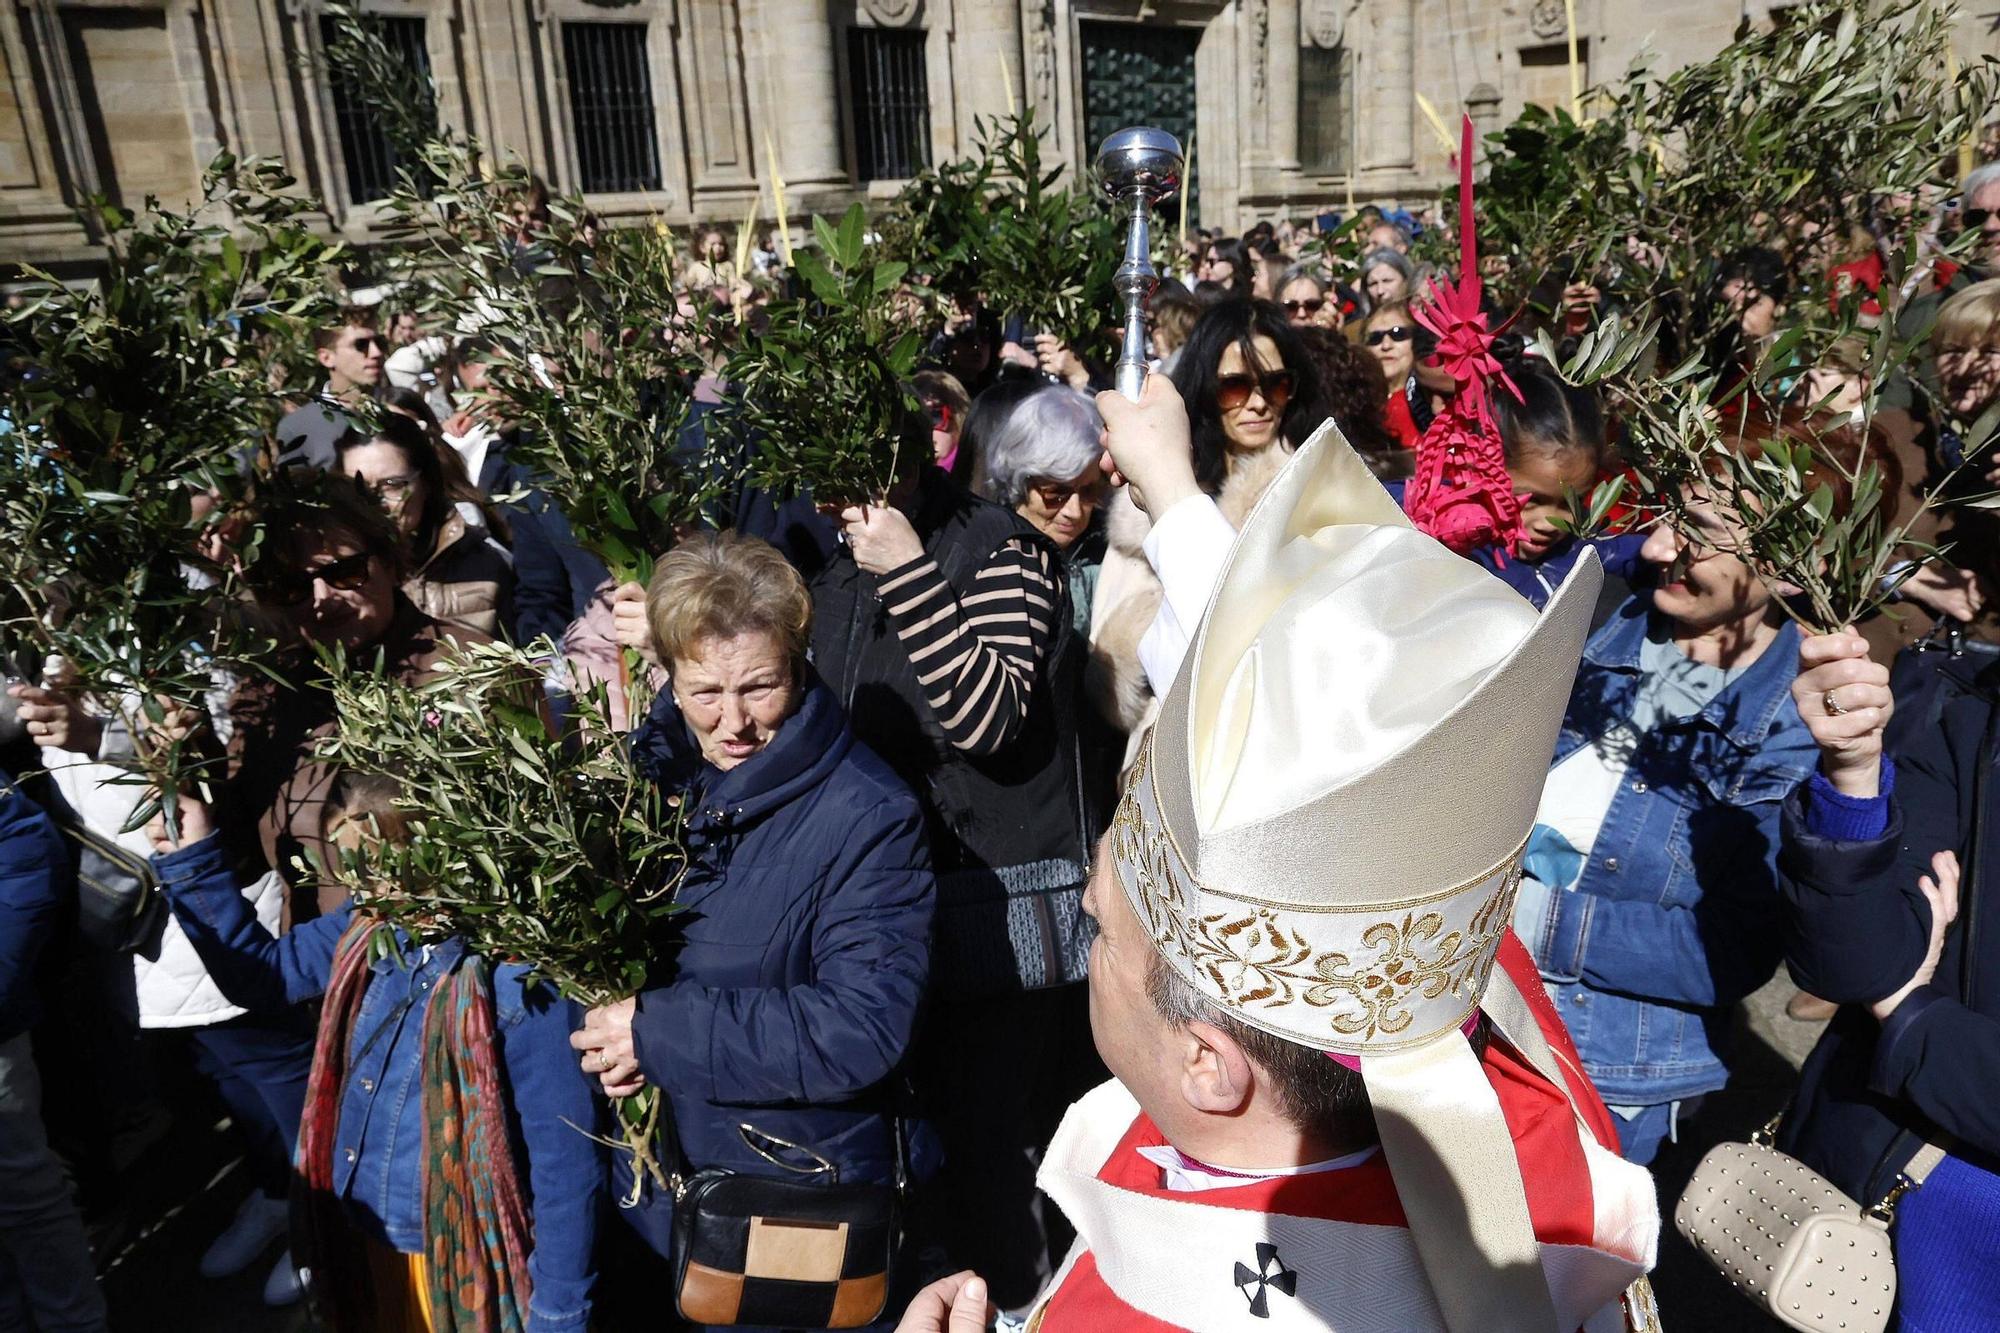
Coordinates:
(476, 1226)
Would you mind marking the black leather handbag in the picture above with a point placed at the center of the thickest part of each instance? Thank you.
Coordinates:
(803, 1252)
(119, 906)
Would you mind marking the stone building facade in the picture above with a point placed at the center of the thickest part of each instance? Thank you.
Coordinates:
(681, 109)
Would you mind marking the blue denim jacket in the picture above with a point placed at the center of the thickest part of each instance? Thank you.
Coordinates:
(1676, 914)
(378, 1152)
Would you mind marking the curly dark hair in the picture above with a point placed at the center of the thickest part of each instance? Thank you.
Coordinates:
(1351, 389)
(1222, 325)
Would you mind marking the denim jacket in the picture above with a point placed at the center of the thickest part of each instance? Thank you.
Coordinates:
(378, 1151)
(1676, 914)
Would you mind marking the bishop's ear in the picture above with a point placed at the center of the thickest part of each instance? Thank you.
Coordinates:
(1216, 1076)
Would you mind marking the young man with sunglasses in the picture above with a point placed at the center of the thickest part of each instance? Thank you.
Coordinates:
(352, 352)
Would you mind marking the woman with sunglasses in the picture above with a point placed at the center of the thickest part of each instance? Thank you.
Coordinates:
(947, 402)
(1650, 896)
(1252, 396)
(329, 575)
(1307, 300)
(1391, 334)
(1040, 458)
(1226, 262)
(461, 573)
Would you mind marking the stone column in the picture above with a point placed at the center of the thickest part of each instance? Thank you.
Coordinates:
(1284, 109)
(803, 89)
(988, 75)
(1254, 46)
(1392, 120)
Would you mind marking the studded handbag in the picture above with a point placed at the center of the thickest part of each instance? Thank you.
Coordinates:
(1810, 1256)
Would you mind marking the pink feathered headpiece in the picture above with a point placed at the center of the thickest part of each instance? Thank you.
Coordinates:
(1461, 493)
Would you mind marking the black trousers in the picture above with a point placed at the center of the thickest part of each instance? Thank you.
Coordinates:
(994, 1076)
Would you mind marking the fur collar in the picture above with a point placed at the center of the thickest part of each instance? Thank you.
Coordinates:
(1250, 475)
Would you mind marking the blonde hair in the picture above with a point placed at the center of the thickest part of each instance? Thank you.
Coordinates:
(719, 585)
(1969, 319)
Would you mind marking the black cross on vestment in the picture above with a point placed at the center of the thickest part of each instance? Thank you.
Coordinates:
(1269, 1275)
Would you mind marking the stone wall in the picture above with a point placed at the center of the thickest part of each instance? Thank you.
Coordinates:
(129, 97)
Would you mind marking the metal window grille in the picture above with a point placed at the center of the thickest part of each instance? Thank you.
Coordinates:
(611, 107)
(892, 102)
(1326, 109)
(365, 150)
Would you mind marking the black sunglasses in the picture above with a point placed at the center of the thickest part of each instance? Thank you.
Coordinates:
(1976, 217)
(294, 587)
(1232, 391)
(1401, 333)
(1055, 494)
(1311, 306)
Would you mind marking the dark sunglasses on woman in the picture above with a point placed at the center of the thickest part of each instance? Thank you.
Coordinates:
(295, 587)
(1311, 306)
(1401, 333)
(1055, 494)
(1232, 391)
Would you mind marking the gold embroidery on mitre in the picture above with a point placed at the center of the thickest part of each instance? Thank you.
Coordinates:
(1252, 956)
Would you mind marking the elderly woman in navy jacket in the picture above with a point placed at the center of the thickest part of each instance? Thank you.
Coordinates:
(793, 993)
(1870, 863)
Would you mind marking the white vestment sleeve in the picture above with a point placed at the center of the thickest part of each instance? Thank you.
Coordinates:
(1187, 549)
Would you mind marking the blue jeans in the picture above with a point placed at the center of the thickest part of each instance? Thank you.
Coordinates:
(260, 1063)
(48, 1279)
(1639, 1138)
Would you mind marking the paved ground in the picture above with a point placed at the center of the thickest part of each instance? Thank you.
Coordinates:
(152, 1227)
(1769, 1050)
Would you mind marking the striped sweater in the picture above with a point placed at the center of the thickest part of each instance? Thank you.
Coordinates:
(976, 658)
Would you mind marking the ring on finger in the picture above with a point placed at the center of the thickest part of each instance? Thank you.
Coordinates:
(1832, 704)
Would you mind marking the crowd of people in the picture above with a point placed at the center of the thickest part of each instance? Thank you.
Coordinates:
(902, 726)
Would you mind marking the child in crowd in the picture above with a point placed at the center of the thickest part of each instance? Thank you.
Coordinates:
(1554, 439)
(437, 1077)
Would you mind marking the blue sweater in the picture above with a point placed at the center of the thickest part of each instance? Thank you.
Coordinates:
(378, 1151)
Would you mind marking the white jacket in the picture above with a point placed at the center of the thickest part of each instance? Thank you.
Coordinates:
(174, 988)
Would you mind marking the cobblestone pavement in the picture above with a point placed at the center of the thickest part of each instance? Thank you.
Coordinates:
(186, 1189)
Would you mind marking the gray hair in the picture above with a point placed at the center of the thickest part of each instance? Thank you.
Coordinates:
(1393, 258)
(1308, 271)
(1979, 178)
(1051, 433)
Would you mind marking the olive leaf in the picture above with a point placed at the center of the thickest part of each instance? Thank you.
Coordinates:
(590, 349)
(1777, 139)
(824, 384)
(531, 837)
(138, 409)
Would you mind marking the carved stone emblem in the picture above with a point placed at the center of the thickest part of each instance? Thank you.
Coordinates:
(892, 13)
(1547, 18)
(1326, 23)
